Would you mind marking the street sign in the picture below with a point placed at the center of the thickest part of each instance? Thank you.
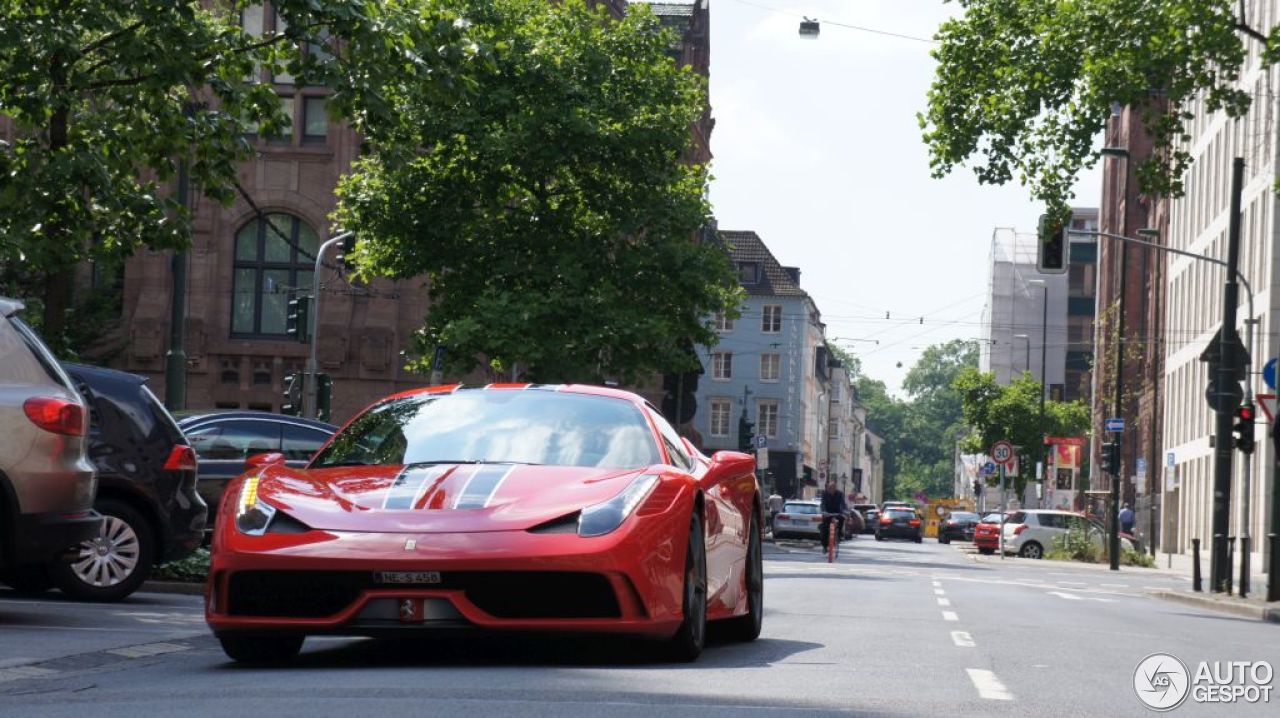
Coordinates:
(1268, 404)
(1269, 372)
(1116, 425)
(988, 469)
(1239, 357)
(762, 459)
(1141, 469)
(762, 441)
(1002, 452)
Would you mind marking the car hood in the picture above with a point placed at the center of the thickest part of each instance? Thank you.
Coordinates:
(438, 498)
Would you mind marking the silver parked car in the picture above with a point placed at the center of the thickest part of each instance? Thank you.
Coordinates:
(47, 483)
(798, 519)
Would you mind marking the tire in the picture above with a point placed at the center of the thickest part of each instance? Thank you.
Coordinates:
(28, 579)
(115, 564)
(747, 626)
(919, 539)
(690, 638)
(261, 649)
(986, 551)
(1031, 549)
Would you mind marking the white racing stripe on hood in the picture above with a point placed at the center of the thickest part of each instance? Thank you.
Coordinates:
(410, 484)
(482, 485)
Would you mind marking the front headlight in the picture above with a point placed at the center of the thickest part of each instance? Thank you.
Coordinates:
(604, 517)
(252, 514)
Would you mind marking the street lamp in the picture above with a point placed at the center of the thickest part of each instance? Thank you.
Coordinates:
(1113, 513)
(1044, 368)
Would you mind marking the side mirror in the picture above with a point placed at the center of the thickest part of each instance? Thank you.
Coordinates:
(729, 465)
(260, 461)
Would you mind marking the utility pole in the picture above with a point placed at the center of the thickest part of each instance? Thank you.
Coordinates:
(1113, 511)
(313, 366)
(175, 360)
(1224, 446)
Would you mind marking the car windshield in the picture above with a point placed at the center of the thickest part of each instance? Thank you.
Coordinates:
(991, 519)
(801, 508)
(497, 426)
(900, 513)
(963, 516)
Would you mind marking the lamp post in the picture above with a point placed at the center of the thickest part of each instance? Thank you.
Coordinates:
(1113, 512)
(1044, 370)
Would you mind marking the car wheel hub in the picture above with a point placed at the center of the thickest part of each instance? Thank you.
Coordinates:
(109, 559)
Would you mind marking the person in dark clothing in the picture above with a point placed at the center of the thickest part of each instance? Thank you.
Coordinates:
(833, 502)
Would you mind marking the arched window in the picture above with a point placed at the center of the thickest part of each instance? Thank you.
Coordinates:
(274, 256)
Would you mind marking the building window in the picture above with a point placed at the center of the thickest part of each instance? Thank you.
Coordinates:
(770, 367)
(315, 120)
(749, 272)
(306, 111)
(273, 258)
(833, 430)
(720, 409)
(722, 365)
(767, 417)
(724, 324)
(771, 319)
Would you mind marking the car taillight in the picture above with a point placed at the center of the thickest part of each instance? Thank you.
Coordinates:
(1019, 529)
(815, 519)
(886, 520)
(181, 458)
(55, 415)
(783, 516)
(914, 522)
(952, 522)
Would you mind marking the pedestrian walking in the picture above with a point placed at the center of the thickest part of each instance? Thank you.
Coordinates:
(1126, 519)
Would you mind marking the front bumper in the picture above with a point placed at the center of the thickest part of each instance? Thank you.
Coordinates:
(497, 581)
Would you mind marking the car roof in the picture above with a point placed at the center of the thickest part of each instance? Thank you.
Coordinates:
(103, 373)
(188, 417)
(9, 306)
(589, 389)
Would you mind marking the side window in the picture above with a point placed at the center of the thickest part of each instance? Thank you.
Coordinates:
(1051, 521)
(301, 443)
(675, 447)
(234, 440)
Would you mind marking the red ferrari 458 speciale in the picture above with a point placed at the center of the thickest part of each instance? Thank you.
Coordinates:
(511, 507)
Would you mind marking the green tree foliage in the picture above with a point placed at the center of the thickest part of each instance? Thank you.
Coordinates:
(106, 98)
(542, 194)
(994, 412)
(1027, 85)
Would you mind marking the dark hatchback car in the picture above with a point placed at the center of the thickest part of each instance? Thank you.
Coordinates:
(870, 514)
(899, 523)
(958, 526)
(146, 488)
(223, 440)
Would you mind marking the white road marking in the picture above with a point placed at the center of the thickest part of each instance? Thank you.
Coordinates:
(937, 584)
(1114, 585)
(148, 649)
(20, 672)
(988, 685)
(939, 592)
(944, 602)
(1073, 583)
(950, 616)
(1072, 597)
(962, 639)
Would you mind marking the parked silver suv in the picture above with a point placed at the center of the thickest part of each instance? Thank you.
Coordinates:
(46, 481)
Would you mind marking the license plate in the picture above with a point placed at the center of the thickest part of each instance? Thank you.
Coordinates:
(406, 577)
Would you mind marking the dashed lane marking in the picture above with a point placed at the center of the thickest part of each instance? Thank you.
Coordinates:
(937, 584)
(988, 685)
(20, 672)
(148, 649)
(939, 592)
(962, 639)
(950, 616)
(944, 602)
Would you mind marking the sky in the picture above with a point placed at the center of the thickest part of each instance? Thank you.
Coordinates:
(818, 150)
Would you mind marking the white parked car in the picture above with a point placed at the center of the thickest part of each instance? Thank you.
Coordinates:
(1031, 533)
(798, 519)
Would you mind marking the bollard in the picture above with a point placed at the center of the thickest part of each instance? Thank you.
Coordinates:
(1273, 568)
(1195, 565)
(1217, 558)
(1231, 563)
(1244, 566)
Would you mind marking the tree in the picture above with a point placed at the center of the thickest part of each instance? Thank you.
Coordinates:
(106, 99)
(544, 198)
(1029, 84)
(1012, 413)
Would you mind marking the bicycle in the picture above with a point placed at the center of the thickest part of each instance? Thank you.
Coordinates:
(834, 525)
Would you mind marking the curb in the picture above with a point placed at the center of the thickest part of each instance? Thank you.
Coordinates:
(1235, 607)
(178, 587)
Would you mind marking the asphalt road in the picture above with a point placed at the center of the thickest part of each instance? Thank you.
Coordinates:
(894, 628)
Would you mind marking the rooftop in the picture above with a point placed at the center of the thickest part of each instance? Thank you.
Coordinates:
(775, 281)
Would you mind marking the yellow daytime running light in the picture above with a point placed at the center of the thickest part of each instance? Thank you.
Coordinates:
(248, 494)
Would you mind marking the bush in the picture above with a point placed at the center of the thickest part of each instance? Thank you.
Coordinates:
(192, 569)
(1075, 545)
(1129, 557)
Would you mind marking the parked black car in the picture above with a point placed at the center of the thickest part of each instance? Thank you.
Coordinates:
(899, 523)
(959, 526)
(146, 488)
(870, 516)
(224, 439)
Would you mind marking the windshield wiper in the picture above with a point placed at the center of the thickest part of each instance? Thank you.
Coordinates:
(471, 461)
(349, 462)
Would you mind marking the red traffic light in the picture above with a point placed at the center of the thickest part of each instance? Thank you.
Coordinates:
(1245, 412)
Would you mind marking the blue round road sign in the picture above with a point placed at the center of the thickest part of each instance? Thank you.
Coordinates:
(1269, 372)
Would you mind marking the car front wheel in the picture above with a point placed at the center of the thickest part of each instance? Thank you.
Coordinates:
(113, 565)
(686, 645)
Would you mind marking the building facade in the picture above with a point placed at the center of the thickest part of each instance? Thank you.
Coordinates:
(763, 370)
(1013, 318)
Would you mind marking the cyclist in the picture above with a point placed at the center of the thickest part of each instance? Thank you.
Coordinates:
(833, 505)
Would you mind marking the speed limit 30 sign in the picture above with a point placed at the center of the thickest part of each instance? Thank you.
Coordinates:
(1002, 452)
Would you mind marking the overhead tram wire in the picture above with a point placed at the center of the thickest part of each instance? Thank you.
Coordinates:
(845, 25)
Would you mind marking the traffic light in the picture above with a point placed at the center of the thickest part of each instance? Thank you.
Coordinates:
(1052, 255)
(324, 396)
(977, 487)
(344, 252)
(1111, 457)
(292, 404)
(297, 319)
(745, 429)
(1243, 429)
